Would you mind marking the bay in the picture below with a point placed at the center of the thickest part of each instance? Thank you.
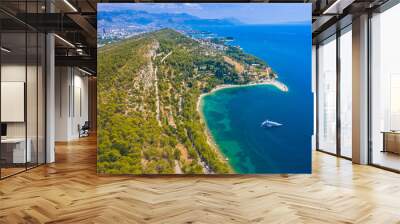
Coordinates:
(234, 115)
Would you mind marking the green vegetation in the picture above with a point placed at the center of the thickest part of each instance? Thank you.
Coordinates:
(240, 56)
(148, 87)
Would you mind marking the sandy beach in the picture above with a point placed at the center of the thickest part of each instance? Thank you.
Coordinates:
(281, 86)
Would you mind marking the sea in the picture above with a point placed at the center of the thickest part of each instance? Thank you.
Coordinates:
(234, 115)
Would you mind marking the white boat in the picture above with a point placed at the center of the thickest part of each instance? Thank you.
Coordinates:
(270, 124)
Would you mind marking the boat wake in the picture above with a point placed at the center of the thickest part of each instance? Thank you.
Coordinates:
(270, 124)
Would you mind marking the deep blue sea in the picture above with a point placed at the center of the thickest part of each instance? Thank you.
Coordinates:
(234, 116)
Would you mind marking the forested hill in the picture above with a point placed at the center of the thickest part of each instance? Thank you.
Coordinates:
(148, 87)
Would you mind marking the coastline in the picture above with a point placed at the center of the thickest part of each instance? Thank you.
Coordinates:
(210, 140)
(279, 85)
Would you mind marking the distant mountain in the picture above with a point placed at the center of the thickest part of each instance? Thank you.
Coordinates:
(108, 19)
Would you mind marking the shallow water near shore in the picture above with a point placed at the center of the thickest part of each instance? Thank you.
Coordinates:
(234, 115)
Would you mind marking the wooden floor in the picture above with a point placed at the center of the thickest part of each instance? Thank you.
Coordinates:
(5, 172)
(69, 191)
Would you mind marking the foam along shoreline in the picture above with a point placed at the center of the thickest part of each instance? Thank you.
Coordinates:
(281, 86)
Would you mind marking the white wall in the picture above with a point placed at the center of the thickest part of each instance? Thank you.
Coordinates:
(81, 89)
(33, 126)
(71, 102)
(62, 82)
(17, 73)
(13, 101)
(11, 73)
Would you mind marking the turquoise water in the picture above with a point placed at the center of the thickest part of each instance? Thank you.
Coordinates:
(234, 115)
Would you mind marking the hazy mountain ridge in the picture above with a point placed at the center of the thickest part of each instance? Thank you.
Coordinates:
(118, 19)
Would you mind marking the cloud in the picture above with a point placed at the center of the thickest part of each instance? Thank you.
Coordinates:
(161, 5)
(192, 5)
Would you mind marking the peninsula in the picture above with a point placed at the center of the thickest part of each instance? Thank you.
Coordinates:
(150, 87)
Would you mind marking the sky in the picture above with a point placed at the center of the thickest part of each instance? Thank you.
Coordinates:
(250, 13)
